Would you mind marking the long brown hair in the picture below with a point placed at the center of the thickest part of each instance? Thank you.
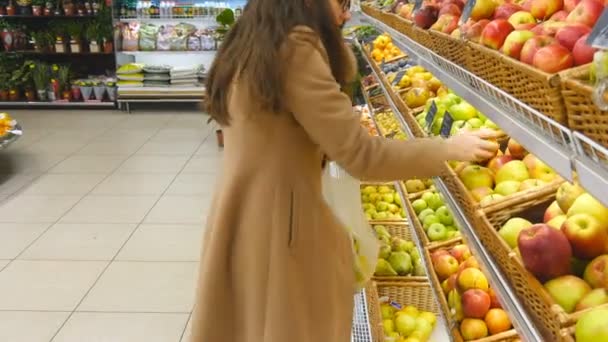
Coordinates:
(252, 48)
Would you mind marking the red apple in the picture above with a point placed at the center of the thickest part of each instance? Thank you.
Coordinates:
(461, 252)
(473, 32)
(497, 162)
(569, 35)
(553, 58)
(445, 266)
(544, 9)
(505, 10)
(426, 16)
(582, 52)
(446, 23)
(559, 16)
(515, 42)
(596, 273)
(567, 290)
(521, 17)
(548, 28)
(494, 302)
(515, 149)
(588, 236)
(436, 254)
(452, 9)
(458, 3)
(586, 12)
(495, 33)
(545, 251)
(552, 212)
(569, 5)
(475, 303)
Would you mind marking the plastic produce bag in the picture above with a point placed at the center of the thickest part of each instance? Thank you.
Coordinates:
(148, 34)
(341, 191)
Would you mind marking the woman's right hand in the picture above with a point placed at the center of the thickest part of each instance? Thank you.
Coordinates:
(472, 146)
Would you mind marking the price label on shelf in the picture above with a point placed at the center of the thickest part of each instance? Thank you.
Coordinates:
(430, 116)
(466, 11)
(446, 126)
(599, 36)
(399, 77)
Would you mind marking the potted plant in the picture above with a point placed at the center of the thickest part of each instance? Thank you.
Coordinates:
(86, 90)
(42, 41)
(226, 21)
(68, 8)
(38, 7)
(7, 35)
(105, 29)
(75, 31)
(99, 89)
(24, 7)
(76, 92)
(10, 8)
(93, 36)
(4, 80)
(111, 90)
(41, 77)
(49, 7)
(64, 82)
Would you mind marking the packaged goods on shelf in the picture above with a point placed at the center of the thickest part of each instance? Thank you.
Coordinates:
(167, 37)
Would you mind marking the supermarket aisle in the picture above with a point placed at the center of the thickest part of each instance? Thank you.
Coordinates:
(101, 217)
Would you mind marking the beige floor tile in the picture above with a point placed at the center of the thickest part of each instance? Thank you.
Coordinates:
(89, 164)
(180, 134)
(46, 285)
(133, 135)
(186, 336)
(110, 209)
(63, 184)
(79, 242)
(209, 148)
(11, 183)
(28, 163)
(3, 264)
(35, 209)
(193, 184)
(14, 237)
(163, 243)
(203, 164)
(154, 164)
(179, 210)
(30, 326)
(110, 148)
(186, 147)
(134, 184)
(56, 146)
(144, 287)
(123, 327)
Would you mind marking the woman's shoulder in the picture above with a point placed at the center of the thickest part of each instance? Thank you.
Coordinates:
(302, 42)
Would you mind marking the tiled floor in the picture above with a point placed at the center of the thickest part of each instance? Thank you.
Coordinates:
(101, 220)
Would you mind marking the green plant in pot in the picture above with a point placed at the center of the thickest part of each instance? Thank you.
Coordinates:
(4, 86)
(111, 90)
(64, 82)
(38, 7)
(42, 41)
(41, 76)
(86, 89)
(226, 21)
(94, 37)
(24, 7)
(49, 7)
(74, 30)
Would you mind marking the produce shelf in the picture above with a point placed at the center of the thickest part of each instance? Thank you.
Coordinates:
(565, 151)
(515, 308)
(156, 52)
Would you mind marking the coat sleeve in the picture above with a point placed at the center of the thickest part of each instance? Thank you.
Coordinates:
(325, 113)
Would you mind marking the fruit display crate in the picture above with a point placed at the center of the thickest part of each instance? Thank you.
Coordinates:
(453, 325)
(583, 115)
(417, 294)
(548, 315)
(402, 231)
(419, 226)
(499, 208)
(540, 90)
(451, 48)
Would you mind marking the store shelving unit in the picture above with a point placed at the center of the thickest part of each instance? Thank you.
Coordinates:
(565, 151)
(516, 309)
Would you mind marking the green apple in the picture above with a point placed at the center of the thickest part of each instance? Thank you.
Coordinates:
(482, 117)
(507, 188)
(475, 123)
(587, 204)
(592, 326)
(456, 127)
(511, 229)
(437, 232)
(490, 124)
(445, 217)
(435, 202)
(451, 234)
(419, 205)
(515, 170)
(463, 111)
(475, 176)
(429, 220)
(427, 196)
(426, 212)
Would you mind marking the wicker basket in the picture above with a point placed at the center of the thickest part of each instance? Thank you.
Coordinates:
(454, 49)
(372, 12)
(549, 317)
(401, 231)
(418, 294)
(499, 209)
(510, 335)
(583, 115)
(538, 89)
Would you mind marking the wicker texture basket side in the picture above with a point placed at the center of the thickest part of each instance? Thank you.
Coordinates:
(536, 88)
(449, 47)
(422, 37)
(583, 115)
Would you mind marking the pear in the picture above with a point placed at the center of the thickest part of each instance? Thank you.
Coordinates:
(384, 269)
(381, 231)
(384, 252)
(419, 268)
(401, 262)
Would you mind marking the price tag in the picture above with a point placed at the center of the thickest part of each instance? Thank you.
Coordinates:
(417, 5)
(466, 11)
(398, 77)
(599, 36)
(446, 126)
(430, 116)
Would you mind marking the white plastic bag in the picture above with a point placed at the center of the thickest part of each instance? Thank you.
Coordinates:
(342, 193)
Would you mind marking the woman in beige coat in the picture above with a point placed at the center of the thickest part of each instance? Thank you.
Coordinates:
(276, 264)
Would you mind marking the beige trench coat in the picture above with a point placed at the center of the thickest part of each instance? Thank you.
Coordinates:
(276, 265)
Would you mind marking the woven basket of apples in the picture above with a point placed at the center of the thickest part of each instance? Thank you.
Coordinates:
(590, 326)
(473, 311)
(399, 311)
(555, 256)
(511, 181)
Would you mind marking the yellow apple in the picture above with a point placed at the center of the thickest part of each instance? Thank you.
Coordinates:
(587, 204)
